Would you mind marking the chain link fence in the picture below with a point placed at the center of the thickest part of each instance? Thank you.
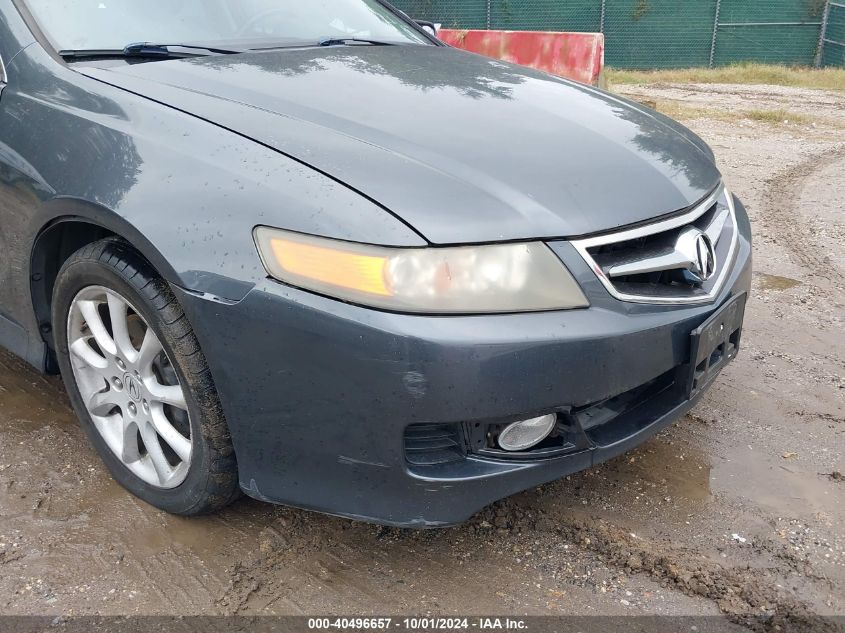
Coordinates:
(667, 33)
(832, 40)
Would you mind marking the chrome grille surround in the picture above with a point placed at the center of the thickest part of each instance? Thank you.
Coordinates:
(677, 294)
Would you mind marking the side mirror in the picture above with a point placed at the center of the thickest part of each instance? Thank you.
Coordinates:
(429, 27)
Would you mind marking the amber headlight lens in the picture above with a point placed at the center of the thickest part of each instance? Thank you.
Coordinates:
(497, 278)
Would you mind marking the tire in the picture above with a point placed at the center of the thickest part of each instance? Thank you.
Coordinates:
(140, 391)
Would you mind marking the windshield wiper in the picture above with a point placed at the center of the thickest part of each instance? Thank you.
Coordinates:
(337, 41)
(151, 51)
(145, 49)
(326, 41)
(148, 50)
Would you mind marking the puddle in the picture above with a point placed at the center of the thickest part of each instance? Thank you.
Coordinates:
(52, 480)
(663, 478)
(675, 478)
(682, 472)
(776, 282)
(29, 398)
(788, 488)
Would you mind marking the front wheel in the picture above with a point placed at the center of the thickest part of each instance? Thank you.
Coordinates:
(139, 382)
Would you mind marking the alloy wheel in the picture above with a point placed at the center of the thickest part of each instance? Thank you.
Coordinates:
(129, 387)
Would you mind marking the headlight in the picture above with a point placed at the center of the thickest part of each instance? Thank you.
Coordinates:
(457, 280)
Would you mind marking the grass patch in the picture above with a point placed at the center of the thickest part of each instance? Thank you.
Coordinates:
(747, 73)
(777, 116)
(681, 111)
(678, 110)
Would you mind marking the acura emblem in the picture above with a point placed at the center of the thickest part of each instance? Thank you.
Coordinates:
(132, 387)
(706, 257)
(698, 251)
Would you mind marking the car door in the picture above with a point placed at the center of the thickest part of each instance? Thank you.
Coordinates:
(16, 200)
(12, 335)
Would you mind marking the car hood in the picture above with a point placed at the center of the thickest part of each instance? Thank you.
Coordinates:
(461, 147)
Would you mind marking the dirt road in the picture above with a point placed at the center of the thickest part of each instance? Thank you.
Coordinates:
(737, 509)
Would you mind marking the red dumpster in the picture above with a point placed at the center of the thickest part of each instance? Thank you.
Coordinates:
(578, 56)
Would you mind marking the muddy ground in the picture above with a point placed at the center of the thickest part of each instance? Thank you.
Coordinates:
(737, 509)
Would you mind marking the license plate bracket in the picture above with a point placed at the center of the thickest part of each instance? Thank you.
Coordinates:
(715, 343)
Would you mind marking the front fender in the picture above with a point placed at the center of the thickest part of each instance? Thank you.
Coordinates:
(185, 191)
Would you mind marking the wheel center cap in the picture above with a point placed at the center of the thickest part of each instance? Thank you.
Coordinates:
(133, 387)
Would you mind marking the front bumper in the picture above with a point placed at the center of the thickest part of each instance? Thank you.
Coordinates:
(318, 394)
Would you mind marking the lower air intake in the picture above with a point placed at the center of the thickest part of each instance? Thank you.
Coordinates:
(433, 444)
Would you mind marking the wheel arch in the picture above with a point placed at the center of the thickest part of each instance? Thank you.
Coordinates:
(70, 224)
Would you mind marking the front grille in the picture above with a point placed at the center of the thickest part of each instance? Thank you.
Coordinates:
(433, 444)
(661, 262)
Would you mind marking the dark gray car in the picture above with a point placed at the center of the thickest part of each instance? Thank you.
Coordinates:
(303, 250)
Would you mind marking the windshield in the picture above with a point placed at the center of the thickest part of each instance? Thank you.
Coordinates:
(112, 24)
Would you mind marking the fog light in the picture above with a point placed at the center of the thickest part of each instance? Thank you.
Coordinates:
(521, 436)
